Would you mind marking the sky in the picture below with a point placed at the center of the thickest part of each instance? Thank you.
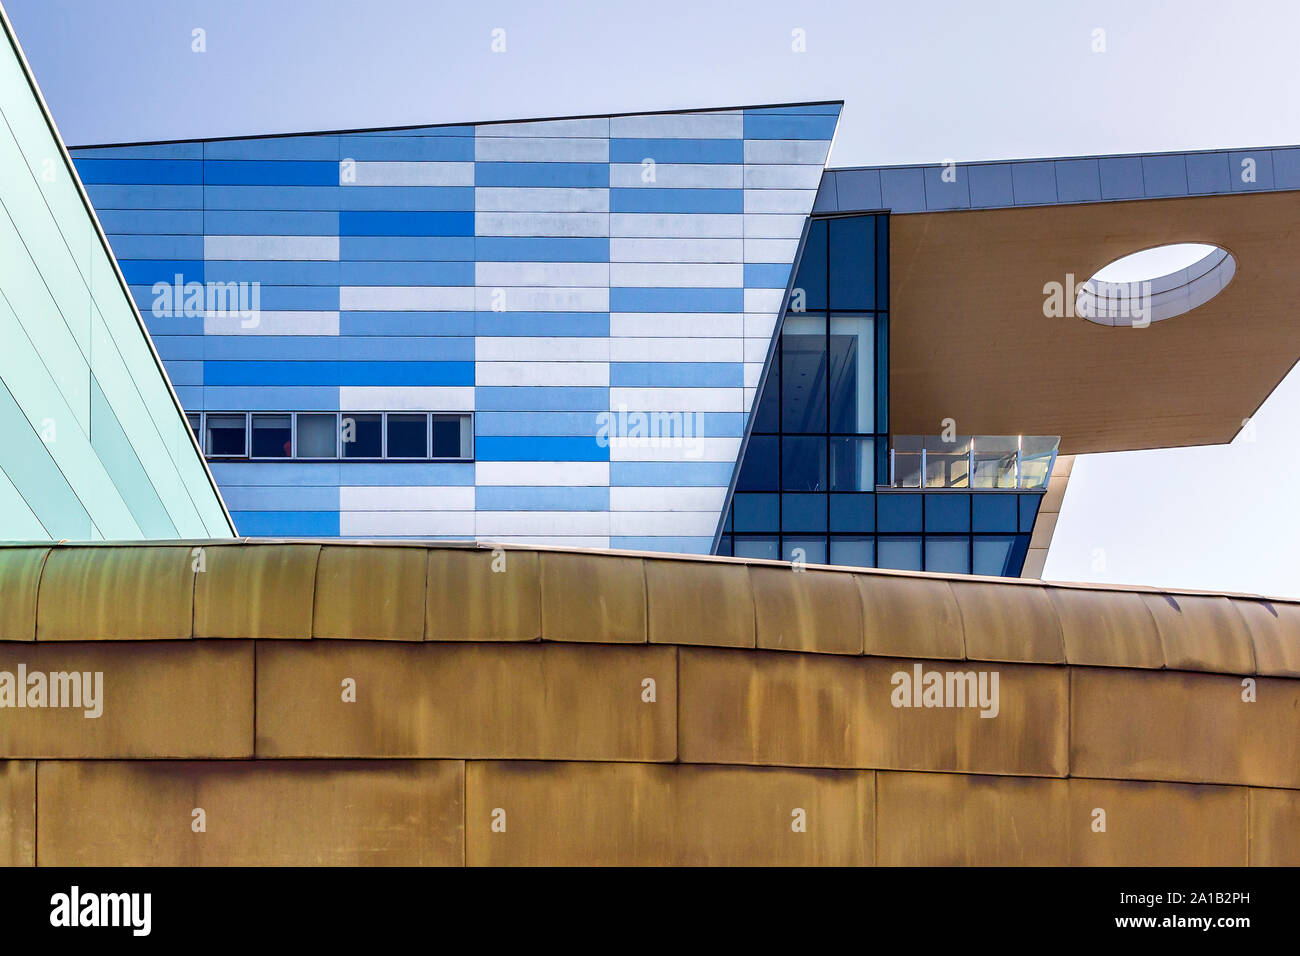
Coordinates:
(922, 83)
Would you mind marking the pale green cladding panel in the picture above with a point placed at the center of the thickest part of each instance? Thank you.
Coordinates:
(93, 443)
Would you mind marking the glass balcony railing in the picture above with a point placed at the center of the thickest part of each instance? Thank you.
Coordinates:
(973, 462)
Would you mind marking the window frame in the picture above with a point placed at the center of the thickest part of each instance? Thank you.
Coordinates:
(467, 419)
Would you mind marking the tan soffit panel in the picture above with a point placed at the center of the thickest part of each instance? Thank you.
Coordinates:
(969, 341)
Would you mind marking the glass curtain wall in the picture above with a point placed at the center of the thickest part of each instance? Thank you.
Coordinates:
(819, 445)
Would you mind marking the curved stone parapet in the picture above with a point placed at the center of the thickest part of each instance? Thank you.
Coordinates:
(331, 703)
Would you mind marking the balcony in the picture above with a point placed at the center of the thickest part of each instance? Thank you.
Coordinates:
(972, 462)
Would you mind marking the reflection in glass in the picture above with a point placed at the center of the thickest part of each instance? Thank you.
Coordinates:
(803, 373)
(853, 464)
(807, 550)
(226, 436)
(852, 374)
(272, 436)
(948, 555)
(752, 546)
(317, 436)
(854, 552)
(803, 463)
(947, 463)
(901, 553)
(362, 436)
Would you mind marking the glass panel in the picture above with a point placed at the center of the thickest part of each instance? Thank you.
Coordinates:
(1036, 457)
(858, 552)
(807, 550)
(852, 372)
(272, 436)
(906, 464)
(853, 512)
(756, 512)
(898, 512)
(226, 435)
(408, 436)
(803, 374)
(812, 270)
(948, 555)
(853, 464)
(882, 374)
(994, 513)
(903, 554)
(318, 436)
(803, 512)
(995, 462)
(852, 243)
(447, 435)
(756, 547)
(1028, 511)
(362, 436)
(803, 463)
(991, 554)
(724, 544)
(947, 512)
(194, 426)
(947, 463)
(759, 471)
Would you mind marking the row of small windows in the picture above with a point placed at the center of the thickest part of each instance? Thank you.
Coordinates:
(998, 555)
(326, 436)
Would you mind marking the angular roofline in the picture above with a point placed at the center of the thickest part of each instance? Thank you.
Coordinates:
(492, 122)
(1062, 159)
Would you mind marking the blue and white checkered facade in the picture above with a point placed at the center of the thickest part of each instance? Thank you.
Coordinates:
(557, 278)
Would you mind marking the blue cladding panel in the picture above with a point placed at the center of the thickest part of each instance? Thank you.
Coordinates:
(677, 150)
(588, 175)
(390, 223)
(406, 323)
(266, 223)
(766, 275)
(763, 125)
(338, 373)
(650, 199)
(540, 448)
(540, 249)
(320, 147)
(150, 172)
(283, 173)
(446, 149)
(407, 248)
(469, 268)
(433, 198)
(287, 523)
(404, 273)
(676, 300)
(149, 271)
(539, 399)
(676, 374)
(526, 498)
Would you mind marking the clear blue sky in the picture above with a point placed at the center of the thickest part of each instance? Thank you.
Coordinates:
(922, 82)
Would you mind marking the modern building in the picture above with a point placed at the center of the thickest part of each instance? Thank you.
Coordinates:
(95, 441)
(670, 332)
(562, 331)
